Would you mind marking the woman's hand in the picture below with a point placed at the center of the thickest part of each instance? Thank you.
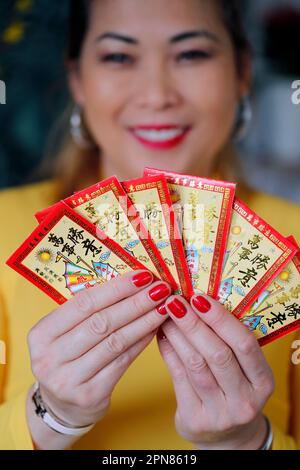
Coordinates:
(220, 375)
(81, 350)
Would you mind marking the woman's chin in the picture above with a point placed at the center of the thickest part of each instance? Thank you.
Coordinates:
(163, 160)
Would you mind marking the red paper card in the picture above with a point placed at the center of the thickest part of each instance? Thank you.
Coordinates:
(255, 254)
(152, 200)
(204, 210)
(276, 312)
(41, 215)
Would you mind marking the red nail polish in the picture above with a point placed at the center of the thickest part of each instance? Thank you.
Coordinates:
(161, 309)
(201, 304)
(142, 279)
(159, 292)
(177, 308)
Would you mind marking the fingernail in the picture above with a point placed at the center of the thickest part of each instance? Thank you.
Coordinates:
(142, 279)
(201, 304)
(177, 308)
(161, 334)
(161, 309)
(159, 292)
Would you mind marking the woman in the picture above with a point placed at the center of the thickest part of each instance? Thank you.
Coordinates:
(157, 86)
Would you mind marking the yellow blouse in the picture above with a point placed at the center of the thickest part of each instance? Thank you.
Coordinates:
(143, 404)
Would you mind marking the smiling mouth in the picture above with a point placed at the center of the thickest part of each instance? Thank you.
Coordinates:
(160, 136)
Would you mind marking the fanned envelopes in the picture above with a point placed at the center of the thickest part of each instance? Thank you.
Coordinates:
(107, 206)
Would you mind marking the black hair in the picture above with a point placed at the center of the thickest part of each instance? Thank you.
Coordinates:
(230, 10)
(231, 13)
(78, 26)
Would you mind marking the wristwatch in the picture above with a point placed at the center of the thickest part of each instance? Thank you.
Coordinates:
(51, 420)
(267, 445)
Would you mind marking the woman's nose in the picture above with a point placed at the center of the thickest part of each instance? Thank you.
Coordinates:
(157, 90)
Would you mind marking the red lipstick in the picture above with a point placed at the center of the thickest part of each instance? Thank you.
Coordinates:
(160, 136)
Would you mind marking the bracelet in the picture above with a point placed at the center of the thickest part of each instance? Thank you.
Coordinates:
(51, 420)
(267, 445)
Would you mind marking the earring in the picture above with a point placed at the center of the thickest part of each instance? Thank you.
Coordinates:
(244, 118)
(77, 132)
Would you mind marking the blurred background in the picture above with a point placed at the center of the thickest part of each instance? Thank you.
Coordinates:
(32, 41)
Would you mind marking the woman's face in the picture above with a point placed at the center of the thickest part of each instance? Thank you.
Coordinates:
(158, 84)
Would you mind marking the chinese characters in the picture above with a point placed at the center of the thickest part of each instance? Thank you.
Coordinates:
(75, 238)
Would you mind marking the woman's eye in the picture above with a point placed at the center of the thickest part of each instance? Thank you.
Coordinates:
(117, 58)
(194, 55)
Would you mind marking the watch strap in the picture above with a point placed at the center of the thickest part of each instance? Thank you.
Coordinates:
(51, 421)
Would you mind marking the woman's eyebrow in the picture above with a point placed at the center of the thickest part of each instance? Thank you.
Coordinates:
(202, 33)
(118, 37)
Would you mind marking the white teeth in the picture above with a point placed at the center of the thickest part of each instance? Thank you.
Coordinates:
(159, 135)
